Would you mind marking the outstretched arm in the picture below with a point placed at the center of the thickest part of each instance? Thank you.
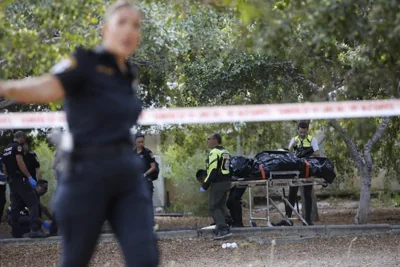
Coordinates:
(65, 77)
(43, 89)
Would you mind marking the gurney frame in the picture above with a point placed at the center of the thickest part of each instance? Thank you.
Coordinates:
(277, 181)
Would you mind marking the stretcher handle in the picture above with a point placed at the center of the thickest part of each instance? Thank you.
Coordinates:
(307, 169)
(262, 171)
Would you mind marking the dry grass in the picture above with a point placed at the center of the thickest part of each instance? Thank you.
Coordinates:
(374, 251)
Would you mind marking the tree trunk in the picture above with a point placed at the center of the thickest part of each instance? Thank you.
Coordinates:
(314, 212)
(365, 195)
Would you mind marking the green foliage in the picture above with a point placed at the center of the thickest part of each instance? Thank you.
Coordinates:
(45, 157)
(183, 175)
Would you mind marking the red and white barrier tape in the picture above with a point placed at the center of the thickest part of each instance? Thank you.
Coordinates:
(224, 114)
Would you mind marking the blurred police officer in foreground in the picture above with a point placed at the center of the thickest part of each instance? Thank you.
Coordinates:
(304, 145)
(32, 162)
(3, 188)
(22, 187)
(103, 179)
(219, 181)
(147, 157)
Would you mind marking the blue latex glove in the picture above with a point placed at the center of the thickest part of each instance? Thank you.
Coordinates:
(46, 225)
(202, 190)
(32, 182)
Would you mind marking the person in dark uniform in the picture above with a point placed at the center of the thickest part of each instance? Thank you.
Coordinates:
(21, 187)
(148, 159)
(24, 219)
(234, 205)
(3, 188)
(32, 162)
(56, 170)
(304, 145)
(102, 178)
(219, 181)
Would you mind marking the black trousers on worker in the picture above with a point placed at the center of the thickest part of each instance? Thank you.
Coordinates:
(307, 199)
(234, 205)
(21, 195)
(3, 199)
(98, 184)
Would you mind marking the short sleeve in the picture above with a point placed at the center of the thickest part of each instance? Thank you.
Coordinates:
(314, 144)
(291, 143)
(151, 156)
(72, 71)
(19, 150)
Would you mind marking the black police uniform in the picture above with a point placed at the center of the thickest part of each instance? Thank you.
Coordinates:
(21, 192)
(234, 204)
(24, 220)
(147, 157)
(32, 163)
(3, 188)
(103, 178)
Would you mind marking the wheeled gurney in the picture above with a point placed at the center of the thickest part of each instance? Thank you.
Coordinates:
(276, 181)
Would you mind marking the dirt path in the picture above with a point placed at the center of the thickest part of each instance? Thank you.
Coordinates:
(365, 251)
(327, 217)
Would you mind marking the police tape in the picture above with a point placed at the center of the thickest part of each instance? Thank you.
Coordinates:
(224, 114)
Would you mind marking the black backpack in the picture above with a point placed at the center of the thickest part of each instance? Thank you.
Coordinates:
(154, 175)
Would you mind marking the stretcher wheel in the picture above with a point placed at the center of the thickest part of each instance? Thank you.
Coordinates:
(252, 224)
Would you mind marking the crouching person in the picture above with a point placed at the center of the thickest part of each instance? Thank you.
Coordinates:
(24, 220)
(24, 223)
(41, 190)
(219, 181)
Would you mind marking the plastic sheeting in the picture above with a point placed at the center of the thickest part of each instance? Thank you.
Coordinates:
(323, 168)
(277, 160)
(242, 166)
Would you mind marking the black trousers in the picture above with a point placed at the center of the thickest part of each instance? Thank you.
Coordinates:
(3, 199)
(234, 205)
(307, 199)
(22, 194)
(24, 224)
(105, 184)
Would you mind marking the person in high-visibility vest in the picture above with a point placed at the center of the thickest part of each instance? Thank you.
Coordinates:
(304, 145)
(219, 181)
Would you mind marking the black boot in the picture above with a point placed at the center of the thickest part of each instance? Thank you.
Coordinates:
(38, 234)
(223, 233)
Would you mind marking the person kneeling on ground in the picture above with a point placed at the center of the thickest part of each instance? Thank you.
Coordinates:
(24, 219)
(41, 189)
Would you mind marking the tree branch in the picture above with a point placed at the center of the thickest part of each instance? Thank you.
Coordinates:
(302, 78)
(349, 143)
(375, 138)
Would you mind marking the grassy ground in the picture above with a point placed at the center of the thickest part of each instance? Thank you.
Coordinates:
(373, 251)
